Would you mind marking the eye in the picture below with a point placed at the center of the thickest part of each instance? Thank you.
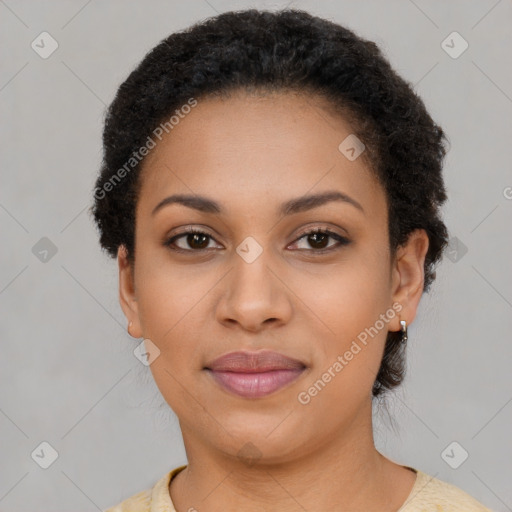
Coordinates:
(196, 240)
(318, 240)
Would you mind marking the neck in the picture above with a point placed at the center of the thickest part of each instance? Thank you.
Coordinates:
(345, 472)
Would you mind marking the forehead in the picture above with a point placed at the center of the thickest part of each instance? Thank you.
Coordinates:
(246, 149)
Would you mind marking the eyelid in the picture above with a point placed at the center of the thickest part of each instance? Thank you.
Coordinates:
(321, 227)
(205, 230)
(184, 230)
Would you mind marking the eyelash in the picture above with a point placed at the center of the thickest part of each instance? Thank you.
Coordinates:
(342, 241)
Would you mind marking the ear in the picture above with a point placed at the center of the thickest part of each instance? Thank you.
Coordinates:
(127, 297)
(408, 276)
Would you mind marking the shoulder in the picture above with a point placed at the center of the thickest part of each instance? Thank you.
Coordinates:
(155, 499)
(139, 502)
(430, 494)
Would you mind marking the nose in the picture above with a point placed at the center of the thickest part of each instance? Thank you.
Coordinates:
(255, 295)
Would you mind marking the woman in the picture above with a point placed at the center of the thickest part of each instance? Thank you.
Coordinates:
(272, 192)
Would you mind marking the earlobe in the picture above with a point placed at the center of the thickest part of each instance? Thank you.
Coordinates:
(409, 276)
(127, 296)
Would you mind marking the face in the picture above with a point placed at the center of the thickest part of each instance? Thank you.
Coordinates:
(257, 278)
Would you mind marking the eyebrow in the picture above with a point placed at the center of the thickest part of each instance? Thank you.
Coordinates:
(299, 204)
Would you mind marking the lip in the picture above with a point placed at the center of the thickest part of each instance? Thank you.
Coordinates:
(254, 374)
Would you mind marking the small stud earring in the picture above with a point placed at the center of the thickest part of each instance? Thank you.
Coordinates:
(403, 330)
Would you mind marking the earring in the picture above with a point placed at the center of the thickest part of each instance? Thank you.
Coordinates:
(403, 330)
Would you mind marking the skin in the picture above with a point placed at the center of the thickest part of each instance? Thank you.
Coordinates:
(251, 154)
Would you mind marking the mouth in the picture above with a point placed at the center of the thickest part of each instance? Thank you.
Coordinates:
(254, 374)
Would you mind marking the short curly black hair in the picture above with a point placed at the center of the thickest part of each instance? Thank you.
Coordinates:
(286, 50)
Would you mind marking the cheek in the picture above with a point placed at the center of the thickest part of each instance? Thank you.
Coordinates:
(348, 359)
(168, 294)
(350, 303)
(169, 302)
(354, 293)
(172, 316)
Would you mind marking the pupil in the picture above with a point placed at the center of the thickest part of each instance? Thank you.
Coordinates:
(323, 236)
(195, 237)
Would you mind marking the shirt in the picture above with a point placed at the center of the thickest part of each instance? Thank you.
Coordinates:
(427, 495)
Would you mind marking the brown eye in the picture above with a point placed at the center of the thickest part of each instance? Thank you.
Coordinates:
(318, 240)
(193, 241)
(197, 240)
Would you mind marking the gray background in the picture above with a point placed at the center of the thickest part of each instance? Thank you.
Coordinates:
(68, 374)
